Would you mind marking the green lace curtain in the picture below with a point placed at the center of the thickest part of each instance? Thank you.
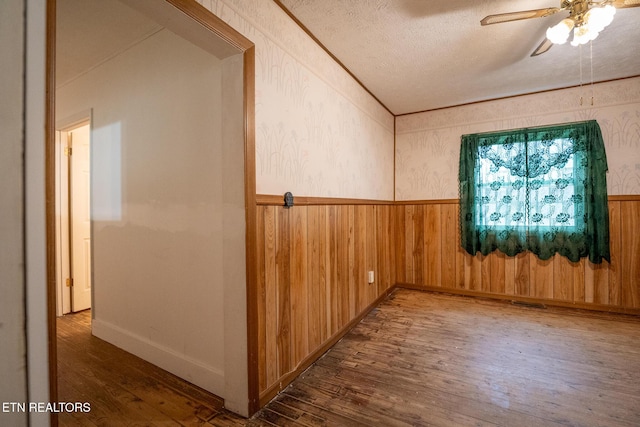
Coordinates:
(540, 189)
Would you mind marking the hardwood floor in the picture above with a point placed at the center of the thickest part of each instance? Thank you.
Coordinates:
(123, 389)
(418, 359)
(426, 359)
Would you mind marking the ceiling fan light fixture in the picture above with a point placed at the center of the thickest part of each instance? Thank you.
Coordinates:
(559, 33)
(585, 29)
(599, 17)
(586, 19)
(583, 34)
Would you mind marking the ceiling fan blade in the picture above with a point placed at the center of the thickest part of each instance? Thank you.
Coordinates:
(542, 47)
(525, 14)
(620, 4)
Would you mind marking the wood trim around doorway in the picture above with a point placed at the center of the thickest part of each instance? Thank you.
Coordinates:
(251, 235)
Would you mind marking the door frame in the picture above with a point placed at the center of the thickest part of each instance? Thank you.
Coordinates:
(64, 126)
(198, 15)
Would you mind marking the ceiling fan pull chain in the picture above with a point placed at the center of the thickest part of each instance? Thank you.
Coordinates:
(591, 55)
(580, 54)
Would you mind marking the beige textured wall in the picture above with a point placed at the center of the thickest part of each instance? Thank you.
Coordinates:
(428, 144)
(318, 133)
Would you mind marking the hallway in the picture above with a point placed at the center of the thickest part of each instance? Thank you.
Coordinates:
(124, 389)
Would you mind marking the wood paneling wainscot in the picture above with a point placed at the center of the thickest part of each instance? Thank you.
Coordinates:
(313, 261)
(429, 256)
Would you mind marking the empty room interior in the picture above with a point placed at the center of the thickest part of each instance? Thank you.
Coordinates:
(350, 213)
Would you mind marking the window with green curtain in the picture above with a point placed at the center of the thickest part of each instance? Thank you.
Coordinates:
(541, 189)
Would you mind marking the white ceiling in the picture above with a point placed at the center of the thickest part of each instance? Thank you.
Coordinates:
(417, 55)
(413, 55)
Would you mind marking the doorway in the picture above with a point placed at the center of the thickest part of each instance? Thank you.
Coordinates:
(73, 217)
(240, 380)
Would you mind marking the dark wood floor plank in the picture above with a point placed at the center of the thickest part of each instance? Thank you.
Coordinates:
(296, 414)
(227, 419)
(122, 388)
(519, 364)
(110, 404)
(338, 401)
(292, 397)
(404, 405)
(171, 404)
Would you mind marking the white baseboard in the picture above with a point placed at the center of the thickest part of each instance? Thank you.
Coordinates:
(207, 377)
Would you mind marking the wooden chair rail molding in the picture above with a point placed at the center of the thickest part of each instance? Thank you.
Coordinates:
(312, 262)
(278, 200)
(625, 198)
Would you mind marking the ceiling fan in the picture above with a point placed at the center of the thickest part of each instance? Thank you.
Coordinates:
(586, 19)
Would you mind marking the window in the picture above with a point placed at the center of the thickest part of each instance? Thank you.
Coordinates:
(539, 189)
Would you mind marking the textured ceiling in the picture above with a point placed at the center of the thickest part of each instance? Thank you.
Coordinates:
(417, 55)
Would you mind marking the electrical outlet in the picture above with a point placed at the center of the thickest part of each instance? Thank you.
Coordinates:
(371, 278)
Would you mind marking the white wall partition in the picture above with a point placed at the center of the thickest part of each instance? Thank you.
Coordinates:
(168, 224)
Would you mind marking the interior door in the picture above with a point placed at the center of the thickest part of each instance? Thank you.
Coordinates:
(80, 217)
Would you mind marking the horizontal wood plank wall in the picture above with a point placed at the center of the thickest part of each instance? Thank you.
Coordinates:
(312, 278)
(428, 256)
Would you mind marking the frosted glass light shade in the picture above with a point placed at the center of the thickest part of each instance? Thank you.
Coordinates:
(594, 21)
(599, 17)
(559, 33)
(583, 34)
